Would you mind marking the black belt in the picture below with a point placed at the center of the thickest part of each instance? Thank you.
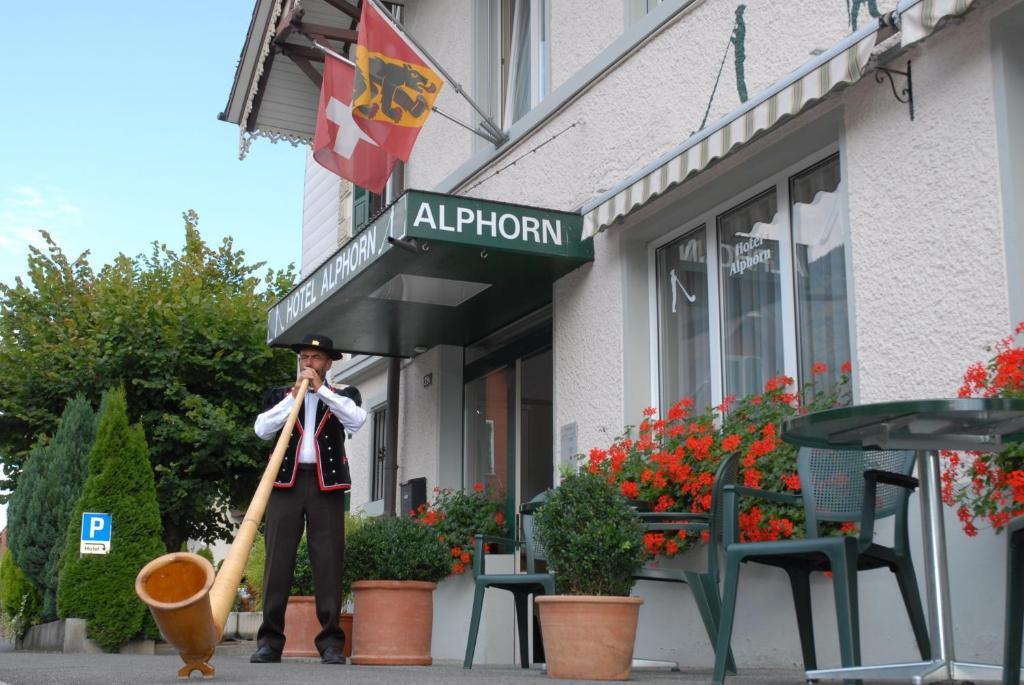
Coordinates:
(307, 467)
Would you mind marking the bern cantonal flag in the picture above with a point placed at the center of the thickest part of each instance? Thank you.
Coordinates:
(394, 89)
(338, 144)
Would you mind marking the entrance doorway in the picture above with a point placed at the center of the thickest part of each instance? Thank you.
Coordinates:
(509, 416)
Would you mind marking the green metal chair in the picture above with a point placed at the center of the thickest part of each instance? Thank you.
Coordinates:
(836, 485)
(1014, 601)
(521, 585)
(704, 585)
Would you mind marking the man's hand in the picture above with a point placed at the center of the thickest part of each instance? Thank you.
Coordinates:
(314, 379)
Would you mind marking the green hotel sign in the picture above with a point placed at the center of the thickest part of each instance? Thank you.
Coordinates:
(421, 218)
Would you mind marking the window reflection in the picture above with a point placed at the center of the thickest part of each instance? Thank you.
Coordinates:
(751, 293)
(683, 320)
(819, 238)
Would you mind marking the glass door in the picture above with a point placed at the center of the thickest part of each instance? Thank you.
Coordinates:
(508, 440)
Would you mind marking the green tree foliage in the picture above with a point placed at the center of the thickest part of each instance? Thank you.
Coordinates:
(41, 507)
(20, 528)
(19, 599)
(101, 588)
(184, 333)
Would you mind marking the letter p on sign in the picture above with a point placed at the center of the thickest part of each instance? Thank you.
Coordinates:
(96, 529)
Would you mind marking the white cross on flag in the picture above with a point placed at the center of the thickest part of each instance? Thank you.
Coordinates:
(339, 145)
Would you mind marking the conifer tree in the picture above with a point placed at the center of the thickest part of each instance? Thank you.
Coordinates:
(42, 506)
(101, 588)
(20, 528)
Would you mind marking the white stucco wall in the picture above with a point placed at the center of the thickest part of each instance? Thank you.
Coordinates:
(579, 30)
(445, 30)
(588, 354)
(926, 219)
(373, 388)
(657, 97)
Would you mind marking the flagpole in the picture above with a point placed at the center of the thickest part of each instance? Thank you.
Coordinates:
(486, 135)
(498, 137)
(333, 54)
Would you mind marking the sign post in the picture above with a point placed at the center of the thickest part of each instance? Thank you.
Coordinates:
(96, 530)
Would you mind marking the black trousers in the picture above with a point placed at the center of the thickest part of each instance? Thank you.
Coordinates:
(322, 515)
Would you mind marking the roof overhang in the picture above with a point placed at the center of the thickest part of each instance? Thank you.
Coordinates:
(433, 269)
(277, 82)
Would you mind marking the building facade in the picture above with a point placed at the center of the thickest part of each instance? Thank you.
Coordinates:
(757, 199)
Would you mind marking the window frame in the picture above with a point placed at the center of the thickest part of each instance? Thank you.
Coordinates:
(375, 204)
(494, 26)
(780, 182)
(382, 411)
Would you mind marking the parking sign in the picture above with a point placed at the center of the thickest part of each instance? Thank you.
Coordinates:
(95, 533)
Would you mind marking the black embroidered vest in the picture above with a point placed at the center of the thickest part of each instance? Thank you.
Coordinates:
(331, 461)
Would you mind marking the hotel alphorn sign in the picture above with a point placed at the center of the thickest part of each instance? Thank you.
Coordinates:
(428, 217)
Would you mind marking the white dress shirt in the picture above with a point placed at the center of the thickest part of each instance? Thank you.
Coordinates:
(271, 421)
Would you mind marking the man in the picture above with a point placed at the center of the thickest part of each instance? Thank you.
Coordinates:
(309, 493)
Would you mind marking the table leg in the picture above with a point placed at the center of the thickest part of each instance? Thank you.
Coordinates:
(943, 666)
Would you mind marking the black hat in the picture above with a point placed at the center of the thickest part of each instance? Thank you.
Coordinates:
(316, 341)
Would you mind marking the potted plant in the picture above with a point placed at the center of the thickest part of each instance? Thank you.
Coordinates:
(458, 516)
(394, 564)
(594, 541)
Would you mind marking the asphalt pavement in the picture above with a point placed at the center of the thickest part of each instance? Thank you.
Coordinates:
(232, 664)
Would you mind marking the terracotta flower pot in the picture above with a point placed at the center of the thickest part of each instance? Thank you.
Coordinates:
(301, 627)
(346, 627)
(393, 622)
(589, 638)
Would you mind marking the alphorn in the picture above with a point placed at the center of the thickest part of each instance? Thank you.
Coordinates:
(189, 605)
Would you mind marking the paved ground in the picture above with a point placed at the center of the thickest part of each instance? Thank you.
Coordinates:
(232, 664)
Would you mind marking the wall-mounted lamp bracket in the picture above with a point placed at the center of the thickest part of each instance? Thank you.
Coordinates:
(906, 95)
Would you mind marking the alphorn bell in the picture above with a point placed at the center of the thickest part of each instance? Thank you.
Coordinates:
(190, 605)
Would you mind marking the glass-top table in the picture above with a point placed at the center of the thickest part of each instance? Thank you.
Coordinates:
(925, 426)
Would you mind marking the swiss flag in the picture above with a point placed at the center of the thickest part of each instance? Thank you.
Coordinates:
(339, 145)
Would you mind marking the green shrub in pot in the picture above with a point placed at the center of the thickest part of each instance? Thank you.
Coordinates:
(592, 537)
(396, 548)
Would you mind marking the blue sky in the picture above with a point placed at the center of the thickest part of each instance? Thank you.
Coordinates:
(109, 131)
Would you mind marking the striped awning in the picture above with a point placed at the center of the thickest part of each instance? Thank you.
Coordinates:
(843, 64)
(919, 18)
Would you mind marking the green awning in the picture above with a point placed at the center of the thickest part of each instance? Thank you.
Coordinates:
(433, 269)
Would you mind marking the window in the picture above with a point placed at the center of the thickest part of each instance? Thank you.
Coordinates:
(378, 451)
(365, 206)
(754, 289)
(518, 61)
(683, 318)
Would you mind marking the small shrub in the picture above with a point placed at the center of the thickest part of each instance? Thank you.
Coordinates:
(593, 538)
(19, 600)
(396, 548)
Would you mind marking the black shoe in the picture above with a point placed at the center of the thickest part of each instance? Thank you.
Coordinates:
(332, 655)
(265, 655)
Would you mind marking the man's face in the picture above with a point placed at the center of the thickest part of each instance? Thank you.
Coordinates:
(311, 358)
